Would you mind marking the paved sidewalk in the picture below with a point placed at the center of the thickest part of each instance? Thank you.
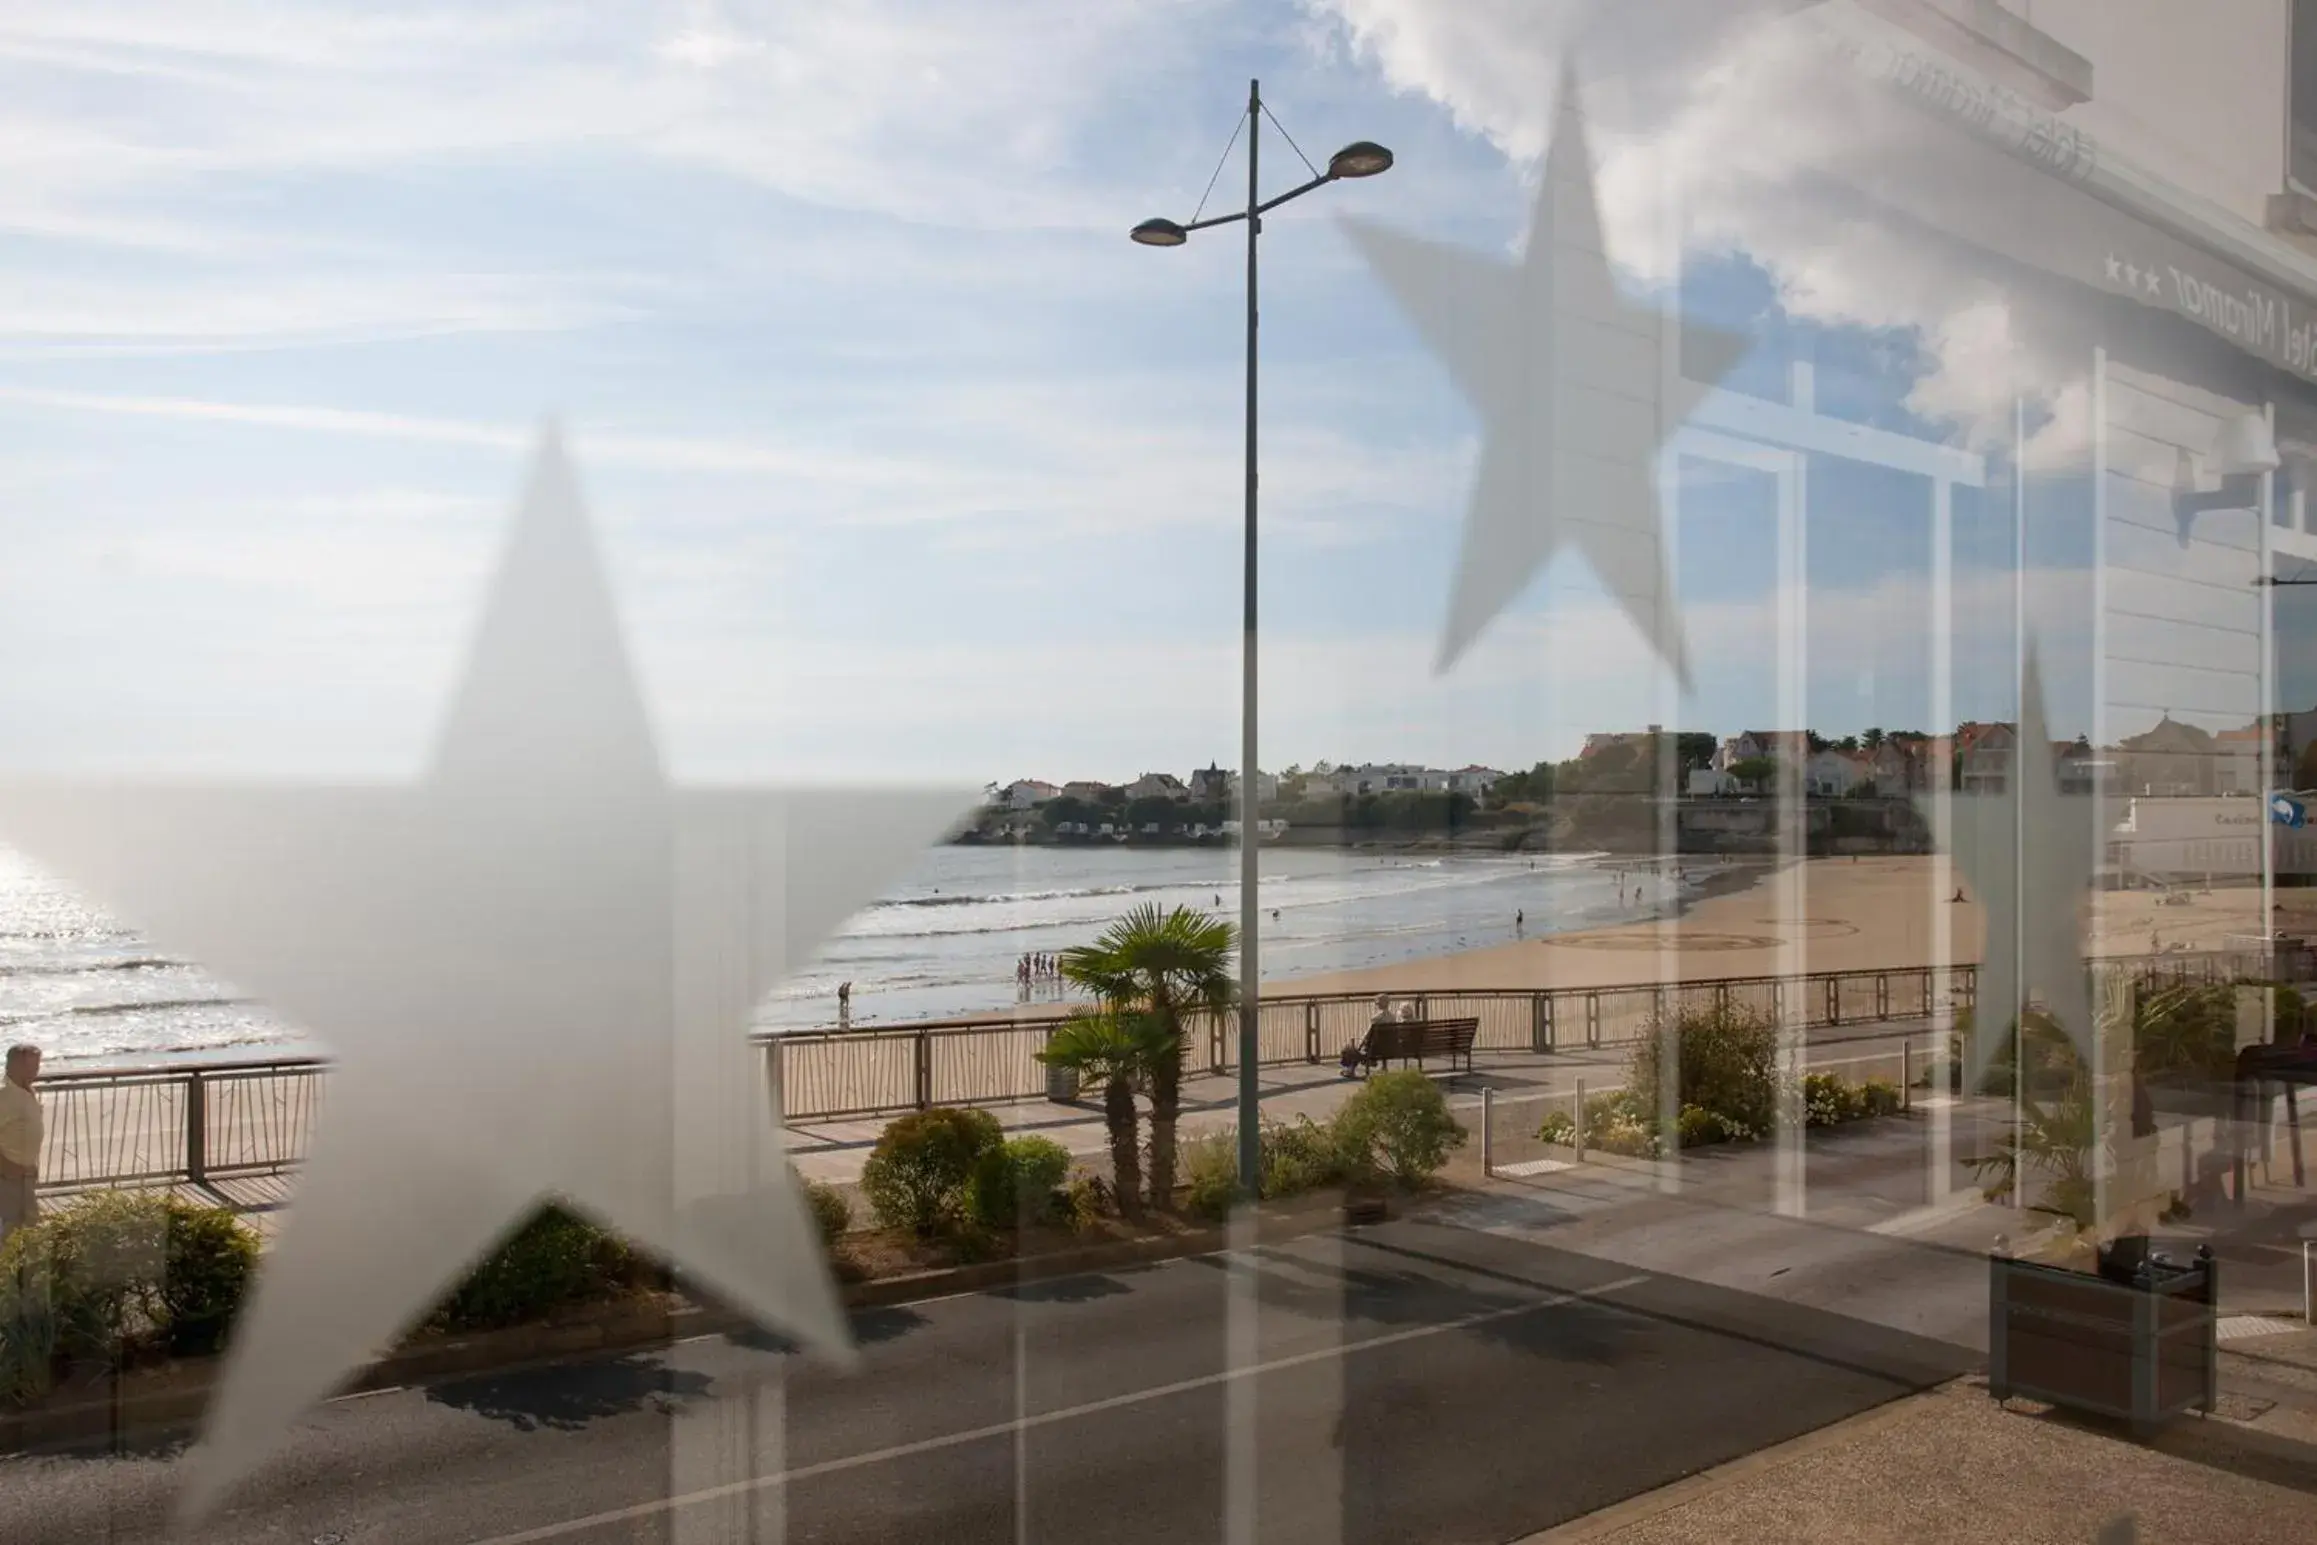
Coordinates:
(834, 1151)
(1952, 1465)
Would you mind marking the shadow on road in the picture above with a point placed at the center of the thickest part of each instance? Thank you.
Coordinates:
(569, 1396)
(1063, 1290)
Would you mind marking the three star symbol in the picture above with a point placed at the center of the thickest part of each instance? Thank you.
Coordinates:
(1567, 378)
(2030, 854)
(535, 969)
(2133, 277)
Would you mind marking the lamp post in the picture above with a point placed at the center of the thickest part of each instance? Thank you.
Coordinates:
(1362, 158)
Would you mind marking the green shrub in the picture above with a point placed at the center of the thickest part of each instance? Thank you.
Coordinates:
(1614, 1123)
(1209, 1169)
(1827, 1101)
(555, 1260)
(1699, 1128)
(1728, 1056)
(1399, 1121)
(1294, 1158)
(1881, 1097)
(1086, 1201)
(1019, 1182)
(1617, 1123)
(210, 1258)
(917, 1174)
(107, 1278)
(1306, 1155)
(832, 1211)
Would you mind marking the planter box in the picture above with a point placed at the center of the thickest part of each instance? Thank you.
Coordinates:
(2143, 1350)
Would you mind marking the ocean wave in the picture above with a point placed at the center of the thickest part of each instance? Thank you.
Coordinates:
(1005, 898)
(108, 1010)
(90, 967)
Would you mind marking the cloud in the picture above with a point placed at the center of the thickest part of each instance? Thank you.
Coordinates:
(58, 312)
(1073, 458)
(1742, 127)
(906, 109)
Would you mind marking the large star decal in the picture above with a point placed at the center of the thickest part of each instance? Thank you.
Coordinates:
(535, 969)
(2030, 855)
(1567, 378)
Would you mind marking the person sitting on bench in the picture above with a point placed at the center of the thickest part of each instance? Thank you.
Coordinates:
(1348, 1064)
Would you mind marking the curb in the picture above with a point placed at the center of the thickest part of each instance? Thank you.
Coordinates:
(175, 1394)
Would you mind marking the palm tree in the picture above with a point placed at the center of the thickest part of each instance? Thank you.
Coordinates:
(2058, 1137)
(2186, 1028)
(1113, 1050)
(1166, 966)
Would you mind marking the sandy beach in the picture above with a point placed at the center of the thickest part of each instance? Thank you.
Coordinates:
(1824, 914)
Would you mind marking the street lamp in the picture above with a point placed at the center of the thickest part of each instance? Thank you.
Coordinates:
(1361, 158)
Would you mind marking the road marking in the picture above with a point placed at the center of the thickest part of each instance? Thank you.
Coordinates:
(1042, 1419)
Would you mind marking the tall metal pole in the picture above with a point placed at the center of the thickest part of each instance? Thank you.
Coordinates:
(1250, 805)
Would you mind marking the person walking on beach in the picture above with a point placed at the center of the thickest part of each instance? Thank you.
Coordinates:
(20, 1136)
(844, 1004)
(1519, 921)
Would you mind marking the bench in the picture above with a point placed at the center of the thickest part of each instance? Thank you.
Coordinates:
(1414, 1040)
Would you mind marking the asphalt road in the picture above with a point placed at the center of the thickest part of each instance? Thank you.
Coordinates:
(1416, 1381)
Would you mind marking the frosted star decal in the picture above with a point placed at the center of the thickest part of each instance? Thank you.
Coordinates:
(2030, 855)
(535, 969)
(1566, 377)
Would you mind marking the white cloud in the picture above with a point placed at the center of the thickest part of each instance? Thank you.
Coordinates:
(1741, 123)
(60, 312)
(1073, 459)
(827, 102)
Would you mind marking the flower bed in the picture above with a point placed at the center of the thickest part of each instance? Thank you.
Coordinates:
(1728, 1090)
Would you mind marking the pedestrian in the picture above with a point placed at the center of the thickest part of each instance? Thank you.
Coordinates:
(844, 1003)
(20, 1137)
(1519, 920)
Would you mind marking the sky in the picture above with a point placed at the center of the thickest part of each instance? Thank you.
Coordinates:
(907, 464)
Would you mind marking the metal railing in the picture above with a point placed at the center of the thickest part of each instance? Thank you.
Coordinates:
(200, 1122)
(213, 1121)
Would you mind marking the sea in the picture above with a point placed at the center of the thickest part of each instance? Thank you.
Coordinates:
(945, 943)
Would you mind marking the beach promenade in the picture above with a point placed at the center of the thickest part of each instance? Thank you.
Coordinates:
(1852, 939)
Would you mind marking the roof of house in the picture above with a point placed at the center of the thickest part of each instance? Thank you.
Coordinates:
(2168, 734)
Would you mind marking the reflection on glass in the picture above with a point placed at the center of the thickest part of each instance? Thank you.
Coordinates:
(1778, 864)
